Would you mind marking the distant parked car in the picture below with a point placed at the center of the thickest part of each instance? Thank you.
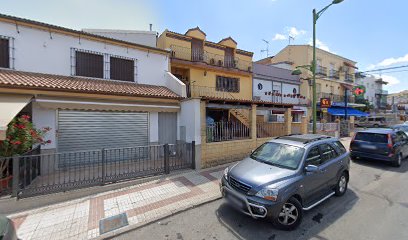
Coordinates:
(286, 176)
(370, 122)
(402, 127)
(7, 230)
(384, 144)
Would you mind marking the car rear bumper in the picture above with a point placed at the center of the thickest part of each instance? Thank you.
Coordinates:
(249, 205)
(372, 156)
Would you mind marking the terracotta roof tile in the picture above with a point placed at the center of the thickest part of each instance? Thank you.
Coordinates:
(41, 81)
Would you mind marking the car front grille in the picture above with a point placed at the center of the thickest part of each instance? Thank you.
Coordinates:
(238, 185)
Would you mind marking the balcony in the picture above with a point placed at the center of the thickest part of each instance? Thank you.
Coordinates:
(211, 92)
(198, 55)
(381, 92)
(320, 70)
(348, 77)
(334, 74)
(335, 97)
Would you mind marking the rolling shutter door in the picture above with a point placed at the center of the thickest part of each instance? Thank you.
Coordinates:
(90, 130)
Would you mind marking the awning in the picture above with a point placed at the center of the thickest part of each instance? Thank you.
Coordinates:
(10, 106)
(340, 111)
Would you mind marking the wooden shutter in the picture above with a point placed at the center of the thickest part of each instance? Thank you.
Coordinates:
(122, 69)
(4, 53)
(89, 64)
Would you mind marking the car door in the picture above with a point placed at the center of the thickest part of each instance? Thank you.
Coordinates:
(331, 161)
(404, 143)
(314, 182)
(398, 143)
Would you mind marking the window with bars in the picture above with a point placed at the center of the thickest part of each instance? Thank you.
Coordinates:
(227, 84)
(122, 69)
(89, 64)
(4, 52)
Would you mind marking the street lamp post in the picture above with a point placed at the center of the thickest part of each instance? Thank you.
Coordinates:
(312, 68)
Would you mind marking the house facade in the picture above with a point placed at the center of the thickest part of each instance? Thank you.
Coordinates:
(92, 91)
(334, 76)
(374, 92)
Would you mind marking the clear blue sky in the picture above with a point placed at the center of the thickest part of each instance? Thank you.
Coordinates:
(368, 31)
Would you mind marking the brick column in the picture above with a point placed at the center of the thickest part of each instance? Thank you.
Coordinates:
(288, 121)
(252, 121)
(303, 126)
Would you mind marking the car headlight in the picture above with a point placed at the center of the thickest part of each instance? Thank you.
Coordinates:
(270, 194)
(226, 173)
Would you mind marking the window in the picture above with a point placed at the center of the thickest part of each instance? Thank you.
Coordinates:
(313, 158)
(280, 155)
(371, 137)
(339, 147)
(260, 86)
(227, 84)
(4, 53)
(122, 69)
(88, 64)
(328, 152)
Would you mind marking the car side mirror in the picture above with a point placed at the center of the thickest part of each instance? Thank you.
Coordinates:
(312, 169)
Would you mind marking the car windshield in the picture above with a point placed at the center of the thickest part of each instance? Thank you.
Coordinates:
(280, 155)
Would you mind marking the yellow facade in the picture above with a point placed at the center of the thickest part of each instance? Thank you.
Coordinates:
(199, 69)
(328, 63)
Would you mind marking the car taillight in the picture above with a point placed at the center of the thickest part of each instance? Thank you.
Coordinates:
(390, 144)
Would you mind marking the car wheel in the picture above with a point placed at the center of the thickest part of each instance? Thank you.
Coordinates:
(290, 215)
(398, 161)
(341, 186)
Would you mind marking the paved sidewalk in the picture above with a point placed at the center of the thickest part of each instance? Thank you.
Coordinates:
(143, 203)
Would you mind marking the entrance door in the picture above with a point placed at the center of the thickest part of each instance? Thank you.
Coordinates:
(167, 128)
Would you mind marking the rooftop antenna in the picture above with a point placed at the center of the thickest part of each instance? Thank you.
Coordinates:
(267, 48)
(291, 38)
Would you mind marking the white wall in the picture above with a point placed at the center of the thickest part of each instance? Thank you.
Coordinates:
(268, 86)
(175, 85)
(190, 118)
(147, 38)
(154, 127)
(37, 51)
(46, 118)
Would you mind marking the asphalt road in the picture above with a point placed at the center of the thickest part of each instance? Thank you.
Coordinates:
(375, 207)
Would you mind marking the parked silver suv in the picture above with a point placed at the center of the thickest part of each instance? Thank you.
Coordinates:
(287, 175)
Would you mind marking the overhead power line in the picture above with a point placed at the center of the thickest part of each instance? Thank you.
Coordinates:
(383, 69)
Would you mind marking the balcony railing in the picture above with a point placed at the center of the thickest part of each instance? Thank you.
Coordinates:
(198, 55)
(320, 70)
(334, 74)
(381, 92)
(203, 91)
(348, 77)
(335, 97)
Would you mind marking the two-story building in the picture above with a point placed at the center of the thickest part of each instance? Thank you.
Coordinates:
(92, 91)
(277, 84)
(334, 77)
(374, 92)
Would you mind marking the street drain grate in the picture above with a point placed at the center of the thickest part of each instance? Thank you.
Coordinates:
(113, 223)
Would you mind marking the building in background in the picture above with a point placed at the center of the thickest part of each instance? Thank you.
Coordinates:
(374, 92)
(147, 38)
(92, 91)
(275, 83)
(334, 78)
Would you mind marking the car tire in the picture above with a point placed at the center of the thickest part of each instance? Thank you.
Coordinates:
(290, 209)
(341, 185)
(397, 162)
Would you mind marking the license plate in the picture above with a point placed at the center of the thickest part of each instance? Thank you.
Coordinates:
(235, 201)
(367, 146)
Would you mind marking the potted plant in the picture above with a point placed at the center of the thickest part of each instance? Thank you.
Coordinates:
(20, 137)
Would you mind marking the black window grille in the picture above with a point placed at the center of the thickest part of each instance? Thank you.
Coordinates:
(227, 84)
(122, 69)
(89, 64)
(4, 52)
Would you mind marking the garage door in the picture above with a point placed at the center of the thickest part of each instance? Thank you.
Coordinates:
(90, 130)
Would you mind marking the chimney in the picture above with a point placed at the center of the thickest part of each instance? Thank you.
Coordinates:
(151, 27)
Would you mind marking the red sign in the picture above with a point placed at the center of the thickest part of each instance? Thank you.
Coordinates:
(325, 102)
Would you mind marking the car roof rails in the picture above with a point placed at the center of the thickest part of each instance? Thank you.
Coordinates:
(316, 139)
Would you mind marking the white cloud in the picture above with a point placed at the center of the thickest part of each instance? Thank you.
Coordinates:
(389, 61)
(391, 80)
(294, 32)
(321, 45)
(279, 37)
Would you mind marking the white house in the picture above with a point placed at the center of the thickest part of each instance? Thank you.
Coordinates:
(92, 91)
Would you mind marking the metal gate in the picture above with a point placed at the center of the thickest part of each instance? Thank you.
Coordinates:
(42, 173)
(167, 127)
